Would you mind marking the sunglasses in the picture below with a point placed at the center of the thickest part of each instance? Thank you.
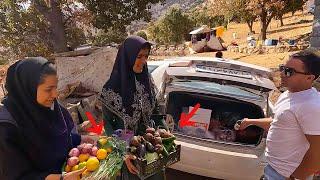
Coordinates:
(288, 71)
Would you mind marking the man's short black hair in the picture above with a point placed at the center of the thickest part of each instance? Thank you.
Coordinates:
(310, 60)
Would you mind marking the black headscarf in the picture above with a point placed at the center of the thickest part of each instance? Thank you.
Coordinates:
(123, 82)
(37, 124)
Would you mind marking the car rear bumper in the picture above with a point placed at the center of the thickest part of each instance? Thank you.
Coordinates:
(217, 163)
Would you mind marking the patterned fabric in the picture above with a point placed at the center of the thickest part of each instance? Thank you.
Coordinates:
(129, 95)
(142, 107)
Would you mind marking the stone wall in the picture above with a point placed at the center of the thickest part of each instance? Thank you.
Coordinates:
(91, 70)
(170, 50)
(266, 49)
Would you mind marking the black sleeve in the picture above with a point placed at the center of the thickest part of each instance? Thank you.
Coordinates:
(156, 109)
(14, 164)
(76, 138)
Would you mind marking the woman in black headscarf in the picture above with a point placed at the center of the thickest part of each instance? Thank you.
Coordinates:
(35, 130)
(129, 96)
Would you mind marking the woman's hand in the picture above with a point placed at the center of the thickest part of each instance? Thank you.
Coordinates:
(130, 166)
(74, 175)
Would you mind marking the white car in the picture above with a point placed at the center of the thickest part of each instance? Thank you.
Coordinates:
(157, 70)
(227, 91)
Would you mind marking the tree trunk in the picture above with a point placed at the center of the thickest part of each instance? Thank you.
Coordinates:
(58, 34)
(52, 12)
(281, 20)
(250, 25)
(264, 26)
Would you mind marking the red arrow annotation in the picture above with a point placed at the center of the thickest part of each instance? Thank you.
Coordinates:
(96, 128)
(185, 118)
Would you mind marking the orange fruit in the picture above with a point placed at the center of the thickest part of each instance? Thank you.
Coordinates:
(83, 157)
(102, 154)
(74, 168)
(67, 168)
(92, 164)
(102, 141)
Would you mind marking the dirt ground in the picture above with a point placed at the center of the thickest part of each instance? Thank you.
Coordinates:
(294, 27)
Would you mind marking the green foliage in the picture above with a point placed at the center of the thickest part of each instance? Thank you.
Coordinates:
(118, 13)
(75, 37)
(25, 31)
(290, 6)
(22, 30)
(203, 17)
(172, 28)
(107, 37)
(142, 34)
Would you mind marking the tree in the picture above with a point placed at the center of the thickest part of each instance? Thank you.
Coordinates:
(108, 37)
(21, 31)
(202, 17)
(118, 13)
(237, 9)
(142, 34)
(33, 28)
(52, 12)
(172, 28)
(41, 27)
(290, 6)
(265, 10)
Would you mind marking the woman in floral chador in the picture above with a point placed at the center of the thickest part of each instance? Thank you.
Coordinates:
(129, 96)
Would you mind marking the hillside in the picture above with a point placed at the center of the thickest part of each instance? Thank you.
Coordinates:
(159, 9)
(295, 27)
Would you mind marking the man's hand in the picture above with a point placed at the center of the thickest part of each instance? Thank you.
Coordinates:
(264, 123)
(129, 164)
(244, 124)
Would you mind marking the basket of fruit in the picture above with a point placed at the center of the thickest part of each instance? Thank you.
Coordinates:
(103, 161)
(155, 151)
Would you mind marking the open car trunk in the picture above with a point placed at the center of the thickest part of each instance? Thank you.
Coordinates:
(221, 114)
